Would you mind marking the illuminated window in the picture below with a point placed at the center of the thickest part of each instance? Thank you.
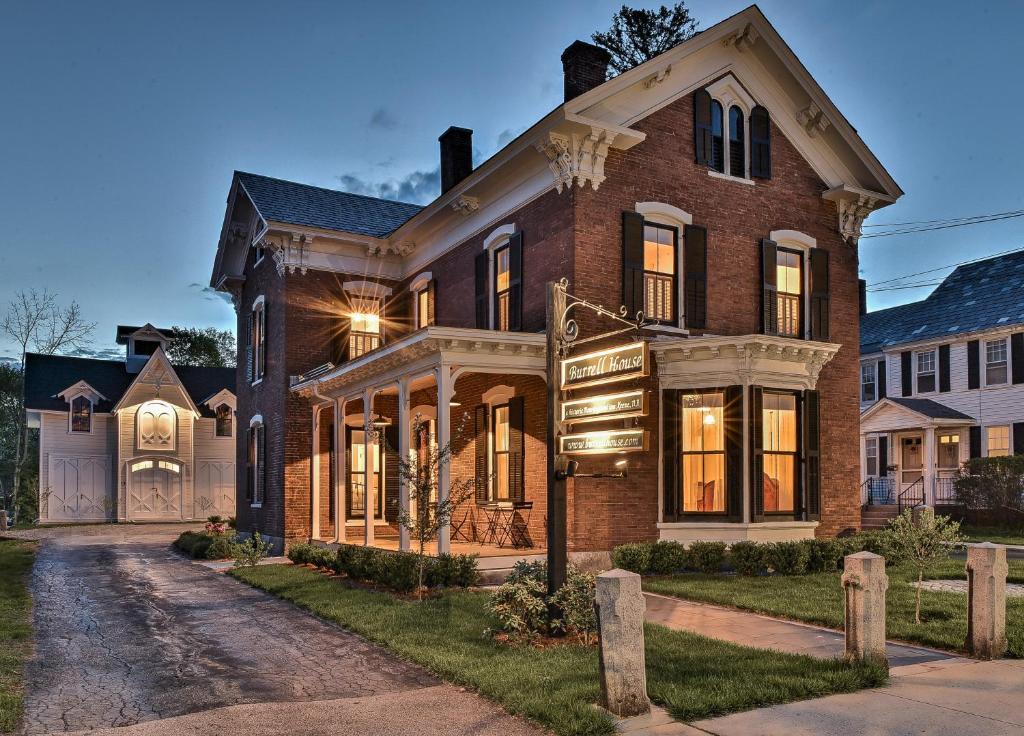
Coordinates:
(790, 279)
(703, 453)
(926, 371)
(223, 420)
(995, 362)
(422, 308)
(502, 281)
(779, 428)
(500, 464)
(357, 476)
(156, 422)
(949, 450)
(365, 327)
(998, 441)
(659, 273)
(81, 414)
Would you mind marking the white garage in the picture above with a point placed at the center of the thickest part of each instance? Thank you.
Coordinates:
(80, 488)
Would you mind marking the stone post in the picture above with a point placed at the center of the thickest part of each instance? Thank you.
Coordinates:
(3, 520)
(865, 583)
(986, 600)
(620, 625)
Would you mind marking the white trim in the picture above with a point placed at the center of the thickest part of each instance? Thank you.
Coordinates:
(77, 389)
(730, 177)
(367, 289)
(258, 301)
(664, 214)
(224, 396)
(256, 419)
(499, 235)
(71, 413)
(499, 394)
(793, 238)
(421, 281)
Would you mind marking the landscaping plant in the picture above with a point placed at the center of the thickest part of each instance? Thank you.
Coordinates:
(788, 558)
(633, 556)
(706, 557)
(748, 558)
(667, 557)
(521, 603)
(251, 551)
(922, 542)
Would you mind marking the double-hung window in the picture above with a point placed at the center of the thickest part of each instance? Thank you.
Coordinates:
(871, 456)
(925, 371)
(737, 152)
(660, 247)
(257, 450)
(703, 452)
(781, 457)
(717, 141)
(502, 282)
(258, 341)
(998, 441)
(364, 335)
(500, 452)
(422, 308)
(867, 382)
(789, 280)
(995, 362)
(81, 414)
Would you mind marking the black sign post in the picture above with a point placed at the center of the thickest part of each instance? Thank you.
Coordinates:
(558, 551)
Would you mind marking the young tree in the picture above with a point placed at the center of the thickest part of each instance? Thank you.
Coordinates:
(638, 35)
(923, 542)
(428, 513)
(202, 347)
(35, 320)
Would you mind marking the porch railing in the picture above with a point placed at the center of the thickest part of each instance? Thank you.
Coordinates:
(945, 492)
(911, 496)
(877, 491)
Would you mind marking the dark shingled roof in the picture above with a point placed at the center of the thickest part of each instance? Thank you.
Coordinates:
(930, 408)
(126, 331)
(301, 204)
(48, 375)
(976, 296)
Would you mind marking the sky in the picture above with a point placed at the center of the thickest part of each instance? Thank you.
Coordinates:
(121, 123)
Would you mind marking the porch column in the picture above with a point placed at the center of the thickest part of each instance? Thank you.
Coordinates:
(444, 436)
(929, 454)
(340, 470)
(403, 458)
(314, 530)
(369, 487)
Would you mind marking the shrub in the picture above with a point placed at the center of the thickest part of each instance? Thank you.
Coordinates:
(216, 524)
(453, 571)
(355, 561)
(221, 547)
(301, 553)
(991, 483)
(667, 558)
(205, 546)
(575, 599)
(187, 541)
(251, 551)
(706, 557)
(520, 606)
(748, 558)
(824, 555)
(634, 556)
(396, 570)
(521, 603)
(523, 570)
(788, 558)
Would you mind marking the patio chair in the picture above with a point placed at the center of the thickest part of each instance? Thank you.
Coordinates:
(463, 524)
(514, 527)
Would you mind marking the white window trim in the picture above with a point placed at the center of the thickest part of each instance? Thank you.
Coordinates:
(497, 238)
(257, 305)
(257, 500)
(142, 447)
(984, 362)
(867, 439)
(803, 244)
(661, 213)
(71, 412)
(935, 370)
(234, 422)
(496, 396)
(873, 365)
(419, 285)
(728, 92)
(1009, 438)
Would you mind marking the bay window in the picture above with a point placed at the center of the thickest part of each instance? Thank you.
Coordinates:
(703, 452)
(780, 432)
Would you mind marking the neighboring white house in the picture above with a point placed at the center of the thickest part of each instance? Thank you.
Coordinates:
(135, 439)
(942, 381)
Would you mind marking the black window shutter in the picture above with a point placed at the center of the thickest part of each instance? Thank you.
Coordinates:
(516, 449)
(515, 283)
(769, 288)
(975, 444)
(757, 455)
(883, 456)
(760, 143)
(880, 379)
(633, 262)
(973, 364)
(733, 420)
(671, 451)
(483, 261)
(907, 372)
(702, 137)
(249, 458)
(1018, 438)
(248, 351)
(812, 455)
(480, 452)
(820, 294)
(695, 284)
(432, 302)
(944, 379)
(391, 479)
(1017, 356)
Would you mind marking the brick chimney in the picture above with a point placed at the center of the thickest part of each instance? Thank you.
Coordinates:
(585, 66)
(456, 156)
(862, 296)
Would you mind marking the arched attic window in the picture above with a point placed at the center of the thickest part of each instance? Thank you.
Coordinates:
(156, 422)
(737, 152)
(717, 144)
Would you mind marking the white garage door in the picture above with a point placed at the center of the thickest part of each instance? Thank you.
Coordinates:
(154, 490)
(79, 488)
(215, 489)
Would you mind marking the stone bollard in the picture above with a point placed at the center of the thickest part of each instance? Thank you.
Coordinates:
(986, 600)
(865, 583)
(620, 627)
(3, 520)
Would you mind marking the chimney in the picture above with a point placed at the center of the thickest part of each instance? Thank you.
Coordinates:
(862, 289)
(456, 156)
(585, 66)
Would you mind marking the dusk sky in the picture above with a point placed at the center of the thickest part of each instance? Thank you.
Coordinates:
(123, 121)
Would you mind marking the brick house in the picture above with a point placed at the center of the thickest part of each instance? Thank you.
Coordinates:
(715, 188)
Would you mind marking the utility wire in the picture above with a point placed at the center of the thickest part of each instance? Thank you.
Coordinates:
(941, 268)
(940, 220)
(976, 221)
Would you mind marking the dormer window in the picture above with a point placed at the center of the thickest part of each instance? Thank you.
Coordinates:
(145, 347)
(223, 420)
(81, 415)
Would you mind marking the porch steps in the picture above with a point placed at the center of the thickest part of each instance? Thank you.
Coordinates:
(877, 516)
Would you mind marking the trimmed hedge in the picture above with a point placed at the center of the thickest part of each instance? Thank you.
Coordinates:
(398, 571)
(205, 546)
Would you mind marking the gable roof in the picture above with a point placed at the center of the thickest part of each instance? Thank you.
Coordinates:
(976, 296)
(301, 204)
(931, 409)
(47, 375)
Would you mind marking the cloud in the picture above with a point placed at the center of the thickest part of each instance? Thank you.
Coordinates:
(210, 294)
(420, 187)
(9, 360)
(101, 353)
(507, 136)
(383, 119)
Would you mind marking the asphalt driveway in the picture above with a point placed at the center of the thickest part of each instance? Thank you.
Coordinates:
(129, 632)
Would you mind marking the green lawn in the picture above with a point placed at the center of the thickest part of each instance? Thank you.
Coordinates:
(15, 627)
(818, 599)
(993, 534)
(692, 676)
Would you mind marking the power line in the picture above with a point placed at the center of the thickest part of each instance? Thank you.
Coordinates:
(975, 221)
(907, 286)
(942, 268)
(941, 220)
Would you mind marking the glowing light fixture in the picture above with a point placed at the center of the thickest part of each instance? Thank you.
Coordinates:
(709, 418)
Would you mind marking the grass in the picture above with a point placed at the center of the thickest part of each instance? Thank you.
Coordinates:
(993, 534)
(15, 627)
(818, 599)
(692, 676)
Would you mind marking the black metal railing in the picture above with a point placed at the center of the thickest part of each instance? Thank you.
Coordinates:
(945, 492)
(877, 491)
(911, 496)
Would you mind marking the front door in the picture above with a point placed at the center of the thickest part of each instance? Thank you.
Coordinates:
(911, 460)
(154, 490)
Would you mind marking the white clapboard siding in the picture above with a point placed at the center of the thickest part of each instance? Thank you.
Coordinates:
(57, 441)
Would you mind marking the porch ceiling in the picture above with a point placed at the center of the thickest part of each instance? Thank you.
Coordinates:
(428, 349)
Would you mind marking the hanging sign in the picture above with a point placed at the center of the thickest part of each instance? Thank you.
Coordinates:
(606, 366)
(601, 443)
(604, 407)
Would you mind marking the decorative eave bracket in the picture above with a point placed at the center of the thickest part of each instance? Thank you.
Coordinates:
(853, 206)
(813, 120)
(465, 205)
(289, 254)
(742, 39)
(383, 248)
(577, 147)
